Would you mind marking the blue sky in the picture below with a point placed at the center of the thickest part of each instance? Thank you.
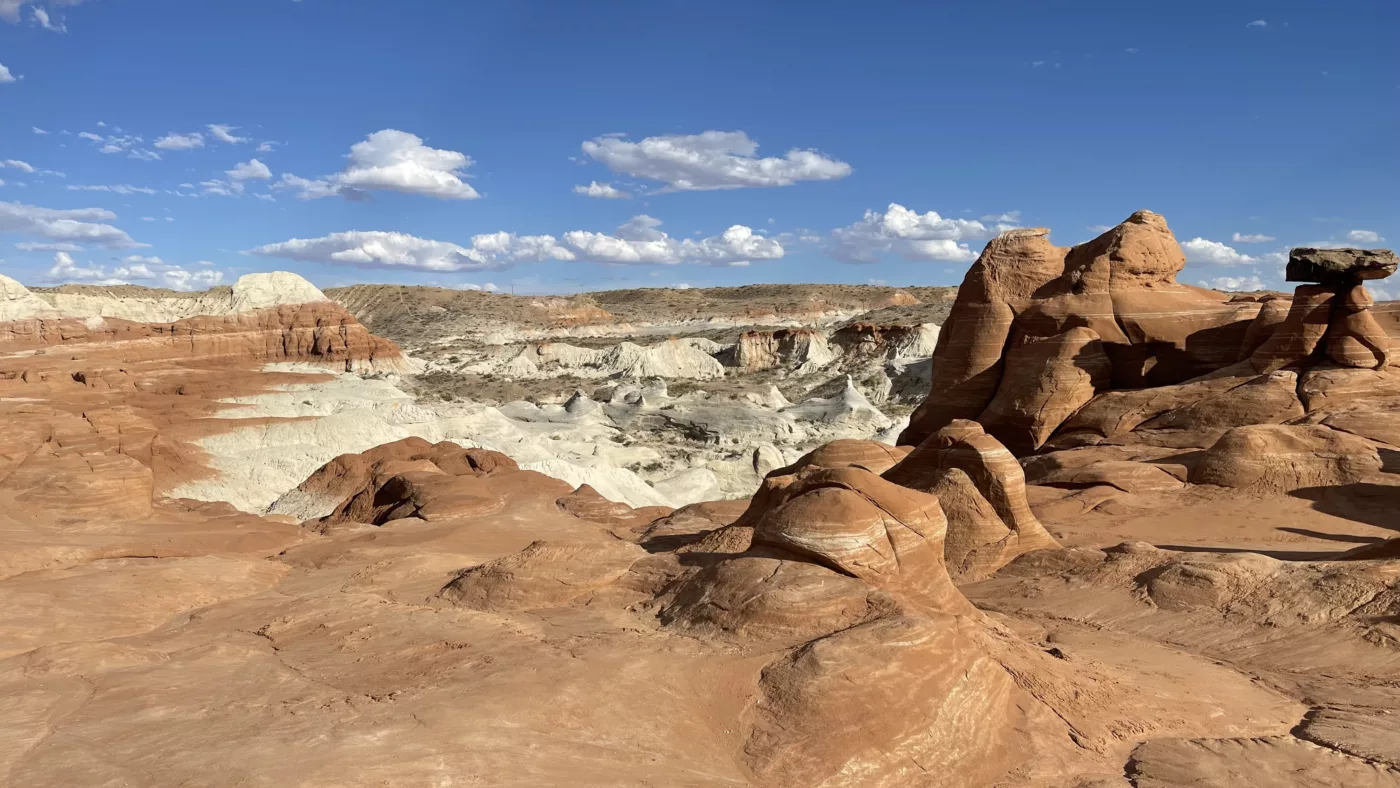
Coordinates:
(447, 142)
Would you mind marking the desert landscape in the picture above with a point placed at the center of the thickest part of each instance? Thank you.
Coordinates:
(1072, 523)
(720, 394)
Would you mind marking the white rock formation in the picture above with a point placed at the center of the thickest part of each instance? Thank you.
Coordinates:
(17, 303)
(250, 293)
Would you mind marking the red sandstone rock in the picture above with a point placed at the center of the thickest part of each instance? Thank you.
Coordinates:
(1121, 286)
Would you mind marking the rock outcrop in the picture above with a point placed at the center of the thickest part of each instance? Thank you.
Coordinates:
(261, 319)
(1052, 347)
(983, 491)
(1121, 287)
(1281, 458)
(1343, 267)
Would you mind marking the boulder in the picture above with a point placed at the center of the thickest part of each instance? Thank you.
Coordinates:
(870, 455)
(1281, 458)
(1340, 266)
(989, 519)
(544, 574)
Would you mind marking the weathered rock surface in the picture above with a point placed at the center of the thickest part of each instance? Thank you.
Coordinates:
(989, 519)
(545, 574)
(1279, 458)
(1121, 287)
(1340, 266)
(461, 617)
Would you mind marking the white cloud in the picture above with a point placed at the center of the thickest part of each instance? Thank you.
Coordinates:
(639, 242)
(1364, 237)
(911, 235)
(265, 147)
(307, 189)
(249, 170)
(604, 191)
(1251, 238)
(1258, 23)
(6, 76)
(1235, 283)
(30, 246)
(377, 249)
(1199, 250)
(118, 143)
(65, 269)
(40, 16)
(120, 188)
(711, 160)
(83, 225)
(16, 164)
(38, 130)
(173, 141)
(392, 160)
(1010, 218)
(150, 271)
(224, 133)
(222, 188)
(10, 11)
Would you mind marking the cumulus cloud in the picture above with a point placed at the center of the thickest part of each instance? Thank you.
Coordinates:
(149, 271)
(1251, 238)
(6, 76)
(249, 170)
(711, 160)
(1258, 23)
(639, 242)
(16, 164)
(66, 269)
(605, 191)
(912, 235)
(37, 130)
(1199, 250)
(173, 141)
(82, 225)
(377, 249)
(1364, 237)
(392, 160)
(224, 133)
(120, 188)
(1235, 283)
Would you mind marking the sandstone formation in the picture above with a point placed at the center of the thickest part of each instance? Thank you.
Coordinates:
(1280, 458)
(1340, 266)
(1067, 347)
(983, 491)
(447, 592)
